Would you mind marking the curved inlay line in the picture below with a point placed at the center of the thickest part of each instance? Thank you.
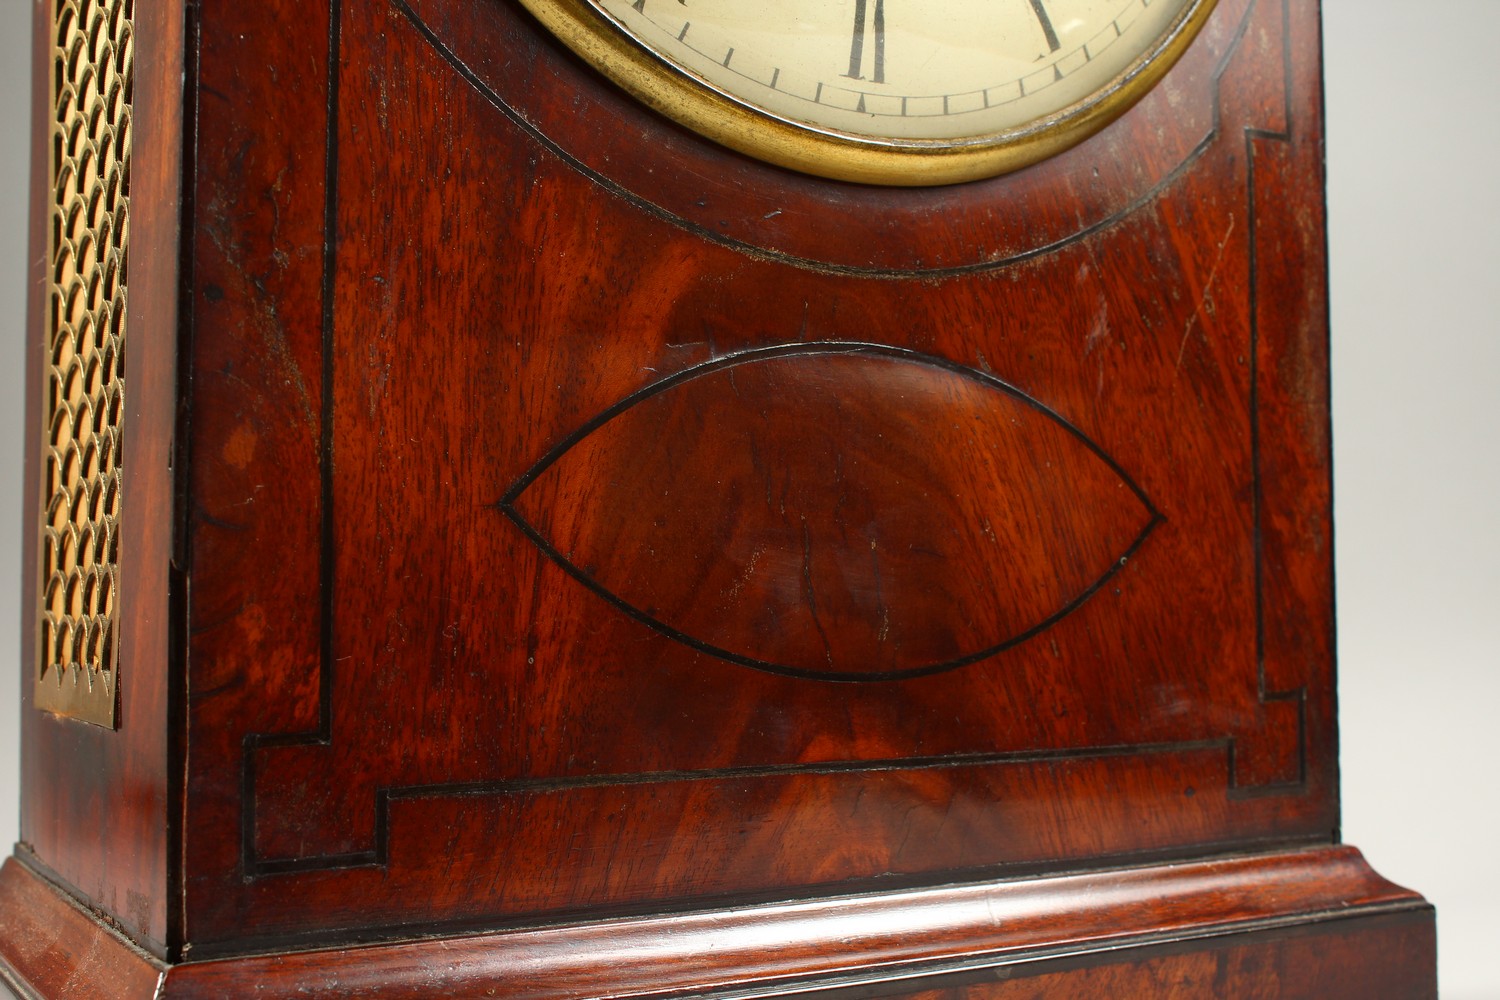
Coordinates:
(838, 511)
(1146, 197)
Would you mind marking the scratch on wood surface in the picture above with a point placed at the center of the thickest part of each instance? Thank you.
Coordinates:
(1097, 335)
(1213, 272)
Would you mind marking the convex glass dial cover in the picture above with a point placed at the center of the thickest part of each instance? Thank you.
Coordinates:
(888, 91)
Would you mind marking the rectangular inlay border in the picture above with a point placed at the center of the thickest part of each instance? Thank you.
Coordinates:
(1288, 779)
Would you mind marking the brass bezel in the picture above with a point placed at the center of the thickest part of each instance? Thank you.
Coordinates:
(846, 156)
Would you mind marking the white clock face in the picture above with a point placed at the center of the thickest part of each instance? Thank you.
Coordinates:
(917, 77)
(902, 69)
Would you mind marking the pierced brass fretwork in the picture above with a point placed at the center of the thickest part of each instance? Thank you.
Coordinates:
(83, 395)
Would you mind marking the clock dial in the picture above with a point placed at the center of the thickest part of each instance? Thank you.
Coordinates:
(895, 91)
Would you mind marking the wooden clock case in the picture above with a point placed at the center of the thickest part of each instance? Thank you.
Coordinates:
(560, 557)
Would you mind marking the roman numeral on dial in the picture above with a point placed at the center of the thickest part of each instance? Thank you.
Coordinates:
(857, 46)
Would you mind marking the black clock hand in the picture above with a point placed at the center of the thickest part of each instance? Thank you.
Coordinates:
(857, 46)
(1041, 15)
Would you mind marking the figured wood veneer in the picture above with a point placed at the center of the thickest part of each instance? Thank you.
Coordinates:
(509, 454)
(554, 539)
(956, 529)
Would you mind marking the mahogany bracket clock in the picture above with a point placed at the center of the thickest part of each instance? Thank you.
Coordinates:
(683, 498)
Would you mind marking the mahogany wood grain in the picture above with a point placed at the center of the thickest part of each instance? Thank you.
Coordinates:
(609, 565)
(888, 537)
(1386, 958)
(777, 214)
(95, 802)
(881, 596)
(254, 443)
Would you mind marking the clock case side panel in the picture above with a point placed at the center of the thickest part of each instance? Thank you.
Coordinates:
(97, 803)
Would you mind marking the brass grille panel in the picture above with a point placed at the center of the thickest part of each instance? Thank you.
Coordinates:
(85, 368)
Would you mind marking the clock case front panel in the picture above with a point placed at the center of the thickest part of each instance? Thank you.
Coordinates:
(545, 459)
(602, 564)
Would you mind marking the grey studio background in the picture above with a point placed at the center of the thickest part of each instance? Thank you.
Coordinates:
(1414, 220)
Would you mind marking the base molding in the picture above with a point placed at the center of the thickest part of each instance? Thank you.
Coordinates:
(1316, 923)
(51, 946)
